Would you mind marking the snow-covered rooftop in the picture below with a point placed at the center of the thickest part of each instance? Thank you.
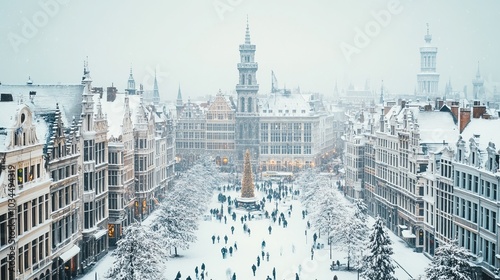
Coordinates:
(115, 111)
(437, 127)
(486, 129)
(69, 98)
(294, 104)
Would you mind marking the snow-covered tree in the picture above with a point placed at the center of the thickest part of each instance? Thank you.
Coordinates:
(185, 203)
(450, 262)
(138, 255)
(247, 187)
(355, 235)
(378, 263)
(177, 219)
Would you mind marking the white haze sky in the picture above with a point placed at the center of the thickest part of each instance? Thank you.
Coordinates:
(191, 44)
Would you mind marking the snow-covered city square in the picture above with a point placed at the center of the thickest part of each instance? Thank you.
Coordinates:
(267, 140)
(278, 241)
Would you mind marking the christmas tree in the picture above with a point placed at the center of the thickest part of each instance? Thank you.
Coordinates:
(247, 187)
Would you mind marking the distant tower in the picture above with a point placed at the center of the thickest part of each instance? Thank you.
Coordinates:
(336, 94)
(381, 101)
(156, 93)
(428, 78)
(178, 103)
(477, 85)
(448, 90)
(131, 84)
(247, 115)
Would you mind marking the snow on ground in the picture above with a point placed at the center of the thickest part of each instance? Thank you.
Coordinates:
(289, 250)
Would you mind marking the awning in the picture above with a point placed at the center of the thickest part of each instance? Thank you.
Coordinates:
(402, 227)
(66, 256)
(100, 233)
(408, 234)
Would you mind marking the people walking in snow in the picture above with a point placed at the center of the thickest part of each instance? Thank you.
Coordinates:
(225, 239)
(235, 246)
(213, 239)
(218, 239)
(269, 229)
(258, 260)
(267, 256)
(254, 268)
(274, 273)
(196, 271)
(232, 229)
(263, 244)
(230, 250)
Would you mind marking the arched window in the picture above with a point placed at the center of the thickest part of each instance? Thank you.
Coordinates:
(249, 79)
(242, 79)
(249, 105)
(242, 104)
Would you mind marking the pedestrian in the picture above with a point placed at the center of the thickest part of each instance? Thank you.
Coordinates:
(274, 273)
(178, 276)
(254, 268)
(315, 237)
(268, 278)
(232, 229)
(248, 232)
(213, 239)
(263, 254)
(188, 278)
(263, 244)
(225, 239)
(297, 276)
(235, 246)
(230, 250)
(258, 260)
(218, 239)
(225, 219)
(335, 277)
(269, 229)
(267, 256)
(196, 271)
(234, 276)
(203, 266)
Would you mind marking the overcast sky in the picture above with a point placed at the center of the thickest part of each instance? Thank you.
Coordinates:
(194, 43)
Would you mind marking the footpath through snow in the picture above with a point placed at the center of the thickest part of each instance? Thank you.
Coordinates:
(289, 249)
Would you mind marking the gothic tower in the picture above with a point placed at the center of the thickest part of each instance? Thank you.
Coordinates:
(428, 78)
(247, 115)
(178, 103)
(156, 93)
(131, 84)
(477, 85)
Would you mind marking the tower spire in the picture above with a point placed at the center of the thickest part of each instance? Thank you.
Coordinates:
(428, 37)
(247, 34)
(382, 93)
(478, 74)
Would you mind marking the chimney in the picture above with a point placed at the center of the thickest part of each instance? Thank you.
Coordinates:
(454, 109)
(111, 93)
(478, 110)
(403, 104)
(464, 118)
(440, 104)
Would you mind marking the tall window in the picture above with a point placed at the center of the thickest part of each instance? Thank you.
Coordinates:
(249, 105)
(88, 150)
(242, 100)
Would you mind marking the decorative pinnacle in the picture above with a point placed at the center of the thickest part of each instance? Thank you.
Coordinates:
(428, 37)
(247, 34)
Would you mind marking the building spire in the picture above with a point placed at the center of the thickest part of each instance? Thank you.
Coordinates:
(382, 93)
(247, 34)
(478, 74)
(428, 37)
